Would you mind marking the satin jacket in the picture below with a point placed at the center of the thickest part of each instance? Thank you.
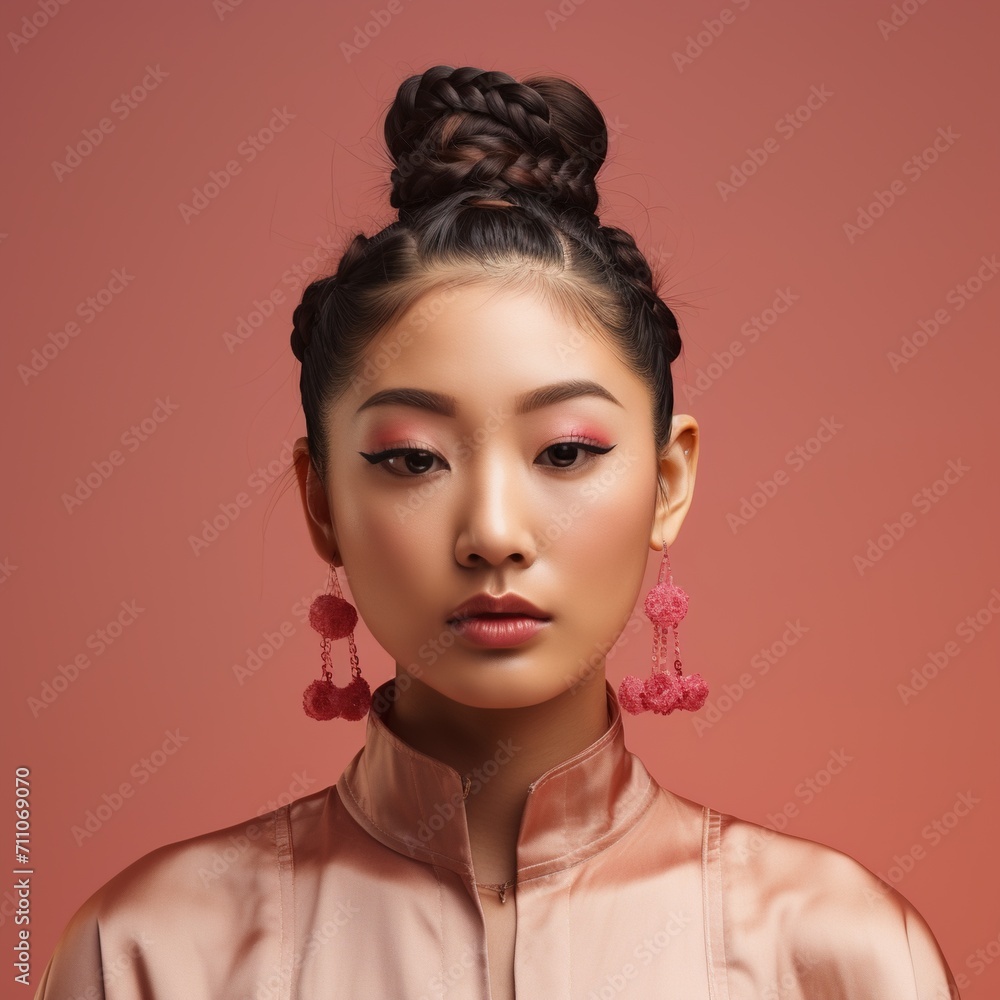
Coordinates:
(366, 890)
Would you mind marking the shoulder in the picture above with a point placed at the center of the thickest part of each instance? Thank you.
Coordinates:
(802, 879)
(191, 872)
(229, 863)
(228, 886)
(828, 916)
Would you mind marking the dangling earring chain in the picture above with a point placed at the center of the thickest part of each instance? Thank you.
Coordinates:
(664, 691)
(674, 620)
(334, 618)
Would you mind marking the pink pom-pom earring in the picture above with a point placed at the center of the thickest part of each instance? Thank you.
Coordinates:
(334, 618)
(663, 692)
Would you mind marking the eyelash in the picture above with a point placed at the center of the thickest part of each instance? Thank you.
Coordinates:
(585, 444)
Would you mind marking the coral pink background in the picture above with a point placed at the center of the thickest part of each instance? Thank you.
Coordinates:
(680, 128)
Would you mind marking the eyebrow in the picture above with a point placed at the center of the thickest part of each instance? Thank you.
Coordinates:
(535, 399)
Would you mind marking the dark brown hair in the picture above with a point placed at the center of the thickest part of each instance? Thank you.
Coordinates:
(493, 180)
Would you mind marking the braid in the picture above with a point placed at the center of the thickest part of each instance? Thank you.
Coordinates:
(443, 91)
(306, 312)
(632, 270)
(318, 293)
(450, 130)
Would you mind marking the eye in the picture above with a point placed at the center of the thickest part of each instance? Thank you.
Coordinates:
(567, 451)
(415, 460)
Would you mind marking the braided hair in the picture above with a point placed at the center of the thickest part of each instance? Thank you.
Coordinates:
(489, 175)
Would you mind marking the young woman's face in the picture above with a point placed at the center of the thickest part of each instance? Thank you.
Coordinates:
(497, 492)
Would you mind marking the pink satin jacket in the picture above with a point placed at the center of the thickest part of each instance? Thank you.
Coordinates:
(366, 890)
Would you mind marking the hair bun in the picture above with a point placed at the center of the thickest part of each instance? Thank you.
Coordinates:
(452, 130)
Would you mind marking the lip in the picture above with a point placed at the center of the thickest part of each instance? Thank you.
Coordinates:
(484, 606)
(499, 630)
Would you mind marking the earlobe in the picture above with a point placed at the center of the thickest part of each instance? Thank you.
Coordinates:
(677, 466)
(315, 506)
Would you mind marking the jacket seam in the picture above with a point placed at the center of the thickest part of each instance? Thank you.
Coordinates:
(712, 891)
(286, 909)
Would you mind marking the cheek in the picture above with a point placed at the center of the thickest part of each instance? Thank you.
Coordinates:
(393, 551)
(607, 546)
(618, 496)
(387, 544)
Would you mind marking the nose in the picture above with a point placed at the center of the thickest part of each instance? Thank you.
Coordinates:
(495, 518)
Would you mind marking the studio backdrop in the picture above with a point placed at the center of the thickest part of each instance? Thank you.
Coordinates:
(815, 187)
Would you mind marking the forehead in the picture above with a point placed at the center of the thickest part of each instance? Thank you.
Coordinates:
(484, 332)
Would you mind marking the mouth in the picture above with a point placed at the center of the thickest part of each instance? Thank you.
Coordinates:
(495, 630)
(500, 615)
(485, 607)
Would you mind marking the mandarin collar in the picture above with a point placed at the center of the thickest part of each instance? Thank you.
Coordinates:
(415, 803)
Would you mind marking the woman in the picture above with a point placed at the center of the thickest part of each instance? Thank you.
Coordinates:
(491, 453)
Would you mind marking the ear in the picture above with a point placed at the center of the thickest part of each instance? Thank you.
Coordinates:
(312, 491)
(677, 466)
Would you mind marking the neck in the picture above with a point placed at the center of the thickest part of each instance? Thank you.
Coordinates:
(502, 751)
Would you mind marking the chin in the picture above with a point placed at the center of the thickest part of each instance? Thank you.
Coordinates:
(499, 684)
